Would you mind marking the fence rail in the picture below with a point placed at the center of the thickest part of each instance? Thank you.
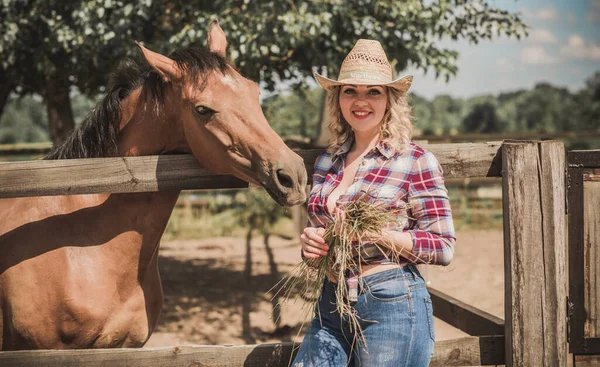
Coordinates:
(469, 351)
(183, 172)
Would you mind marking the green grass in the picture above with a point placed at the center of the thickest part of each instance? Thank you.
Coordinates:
(201, 223)
(469, 212)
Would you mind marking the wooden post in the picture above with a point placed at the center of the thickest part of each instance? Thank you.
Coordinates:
(534, 253)
(300, 216)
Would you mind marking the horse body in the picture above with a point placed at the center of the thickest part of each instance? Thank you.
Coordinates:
(81, 271)
(100, 288)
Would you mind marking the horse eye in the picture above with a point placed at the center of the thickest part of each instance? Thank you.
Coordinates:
(204, 111)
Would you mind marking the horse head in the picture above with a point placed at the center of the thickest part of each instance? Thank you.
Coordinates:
(220, 120)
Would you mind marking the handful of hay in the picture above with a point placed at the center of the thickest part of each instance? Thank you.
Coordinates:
(364, 221)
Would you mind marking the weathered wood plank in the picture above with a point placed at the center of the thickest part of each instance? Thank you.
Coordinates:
(552, 197)
(591, 243)
(534, 248)
(470, 351)
(522, 219)
(592, 174)
(581, 158)
(465, 317)
(182, 172)
(577, 318)
(468, 159)
(587, 360)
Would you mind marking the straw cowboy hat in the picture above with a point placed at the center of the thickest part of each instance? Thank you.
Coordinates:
(366, 64)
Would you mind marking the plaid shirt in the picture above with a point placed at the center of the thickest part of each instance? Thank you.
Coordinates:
(412, 180)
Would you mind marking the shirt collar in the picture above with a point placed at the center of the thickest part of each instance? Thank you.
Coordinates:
(382, 147)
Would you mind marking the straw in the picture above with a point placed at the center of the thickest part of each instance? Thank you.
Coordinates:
(365, 219)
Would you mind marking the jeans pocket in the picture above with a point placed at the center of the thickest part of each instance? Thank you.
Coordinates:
(390, 290)
(429, 308)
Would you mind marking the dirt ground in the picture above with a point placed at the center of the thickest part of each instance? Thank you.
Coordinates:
(217, 292)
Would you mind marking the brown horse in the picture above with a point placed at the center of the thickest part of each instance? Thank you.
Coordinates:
(81, 271)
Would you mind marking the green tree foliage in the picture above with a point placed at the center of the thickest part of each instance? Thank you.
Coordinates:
(295, 115)
(588, 116)
(482, 119)
(49, 46)
(23, 121)
(545, 108)
(257, 210)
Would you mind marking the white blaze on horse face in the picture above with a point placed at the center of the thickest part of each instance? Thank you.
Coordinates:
(228, 80)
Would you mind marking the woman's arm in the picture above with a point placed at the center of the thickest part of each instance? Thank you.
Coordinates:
(433, 235)
(432, 239)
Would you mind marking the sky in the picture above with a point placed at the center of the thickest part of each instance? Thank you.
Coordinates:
(563, 49)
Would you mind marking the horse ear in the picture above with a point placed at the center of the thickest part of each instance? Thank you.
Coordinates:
(216, 39)
(164, 66)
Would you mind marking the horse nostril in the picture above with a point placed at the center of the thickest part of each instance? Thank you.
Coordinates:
(284, 179)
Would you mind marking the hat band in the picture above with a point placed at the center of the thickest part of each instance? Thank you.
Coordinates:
(363, 75)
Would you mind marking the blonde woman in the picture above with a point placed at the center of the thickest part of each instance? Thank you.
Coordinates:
(371, 151)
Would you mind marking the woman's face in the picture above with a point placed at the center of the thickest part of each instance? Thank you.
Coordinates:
(363, 106)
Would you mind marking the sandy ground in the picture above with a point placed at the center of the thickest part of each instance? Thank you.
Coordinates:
(217, 292)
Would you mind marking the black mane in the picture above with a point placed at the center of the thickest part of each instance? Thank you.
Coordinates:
(96, 136)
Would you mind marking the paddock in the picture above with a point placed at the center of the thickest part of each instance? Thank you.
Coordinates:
(534, 329)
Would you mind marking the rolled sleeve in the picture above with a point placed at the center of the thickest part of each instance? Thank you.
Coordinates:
(432, 228)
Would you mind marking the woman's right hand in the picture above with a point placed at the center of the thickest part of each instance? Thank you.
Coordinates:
(313, 244)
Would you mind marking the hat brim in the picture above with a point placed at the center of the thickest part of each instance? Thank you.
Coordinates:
(401, 84)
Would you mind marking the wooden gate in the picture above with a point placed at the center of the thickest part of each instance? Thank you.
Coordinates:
(583, 207)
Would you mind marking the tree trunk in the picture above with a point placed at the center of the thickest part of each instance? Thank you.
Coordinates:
(58, 105)
(6, 86)
(323, 139)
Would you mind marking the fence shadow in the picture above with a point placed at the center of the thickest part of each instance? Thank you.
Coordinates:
(203, 296)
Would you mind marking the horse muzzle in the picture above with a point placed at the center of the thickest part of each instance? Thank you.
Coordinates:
(286, 180)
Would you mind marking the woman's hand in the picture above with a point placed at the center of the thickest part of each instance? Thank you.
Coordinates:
(313, 244)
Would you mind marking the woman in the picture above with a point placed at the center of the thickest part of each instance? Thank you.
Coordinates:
(370, 151)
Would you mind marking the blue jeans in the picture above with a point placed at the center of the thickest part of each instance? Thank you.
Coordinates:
(396, 318)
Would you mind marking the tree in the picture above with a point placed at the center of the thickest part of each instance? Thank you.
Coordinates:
(483, 119)
(546, 109)
(295, 114)
(23, 120)
(50, 46)
(588, 102)
(445, 115)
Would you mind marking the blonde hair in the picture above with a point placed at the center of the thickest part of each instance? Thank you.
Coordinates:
(396, 129)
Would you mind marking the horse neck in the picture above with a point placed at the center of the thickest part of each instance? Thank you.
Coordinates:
(145, 131)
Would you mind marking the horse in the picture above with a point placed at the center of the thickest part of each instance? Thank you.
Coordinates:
(81, 271)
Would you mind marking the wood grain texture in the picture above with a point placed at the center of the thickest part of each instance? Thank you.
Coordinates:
(552, 197)
(183, 172)
(465, 317)
(591, 243)
(470, 351)
(534, 250)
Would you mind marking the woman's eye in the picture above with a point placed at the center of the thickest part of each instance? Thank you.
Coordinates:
(204, 111)
(374, 92)
(349, 91)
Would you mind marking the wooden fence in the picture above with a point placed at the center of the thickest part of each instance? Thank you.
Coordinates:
(533, 178)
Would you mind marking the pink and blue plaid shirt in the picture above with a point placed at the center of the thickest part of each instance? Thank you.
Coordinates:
(412, 180)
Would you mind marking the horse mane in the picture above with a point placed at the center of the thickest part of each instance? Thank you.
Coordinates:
(96, 136)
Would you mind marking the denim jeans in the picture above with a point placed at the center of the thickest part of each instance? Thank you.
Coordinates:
(396, 318)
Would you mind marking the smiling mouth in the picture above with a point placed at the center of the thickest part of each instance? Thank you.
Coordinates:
(361, 114)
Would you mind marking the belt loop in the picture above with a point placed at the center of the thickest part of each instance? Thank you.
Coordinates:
(417, 272)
